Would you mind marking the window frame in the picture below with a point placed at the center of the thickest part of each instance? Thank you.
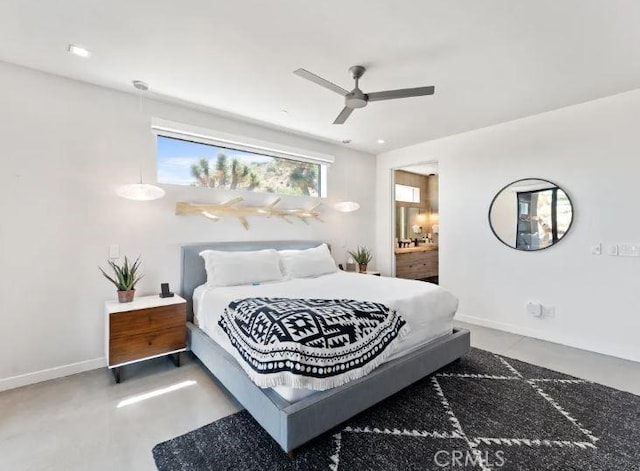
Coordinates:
(415, 193)
(184, 132)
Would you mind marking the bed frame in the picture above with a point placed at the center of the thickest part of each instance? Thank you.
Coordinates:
(293, 424)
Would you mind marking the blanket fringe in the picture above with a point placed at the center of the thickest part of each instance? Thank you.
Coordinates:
(286, 378)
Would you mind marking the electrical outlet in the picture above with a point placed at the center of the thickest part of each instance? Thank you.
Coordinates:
(534, 309)
(612, 250)
(597, 249)
(549, 311)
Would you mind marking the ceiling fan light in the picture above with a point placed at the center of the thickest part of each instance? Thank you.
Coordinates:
(346, 206)
(140, 192)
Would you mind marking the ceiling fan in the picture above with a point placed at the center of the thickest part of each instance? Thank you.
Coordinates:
(356, 98)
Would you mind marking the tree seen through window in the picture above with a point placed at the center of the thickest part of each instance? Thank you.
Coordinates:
(182, 162)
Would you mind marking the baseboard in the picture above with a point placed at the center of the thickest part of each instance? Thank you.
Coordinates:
(51, 373)
(536, 334)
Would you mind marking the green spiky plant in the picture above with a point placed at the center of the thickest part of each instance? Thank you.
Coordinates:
(125, 276)
(362, 256)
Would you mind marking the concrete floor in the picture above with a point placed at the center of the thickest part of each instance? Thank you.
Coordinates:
(74, 423)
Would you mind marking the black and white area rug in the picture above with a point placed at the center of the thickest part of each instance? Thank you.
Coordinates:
(484, 412)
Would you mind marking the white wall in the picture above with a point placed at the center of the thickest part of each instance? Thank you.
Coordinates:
(65, 147)
(504, 216)
(592, 150)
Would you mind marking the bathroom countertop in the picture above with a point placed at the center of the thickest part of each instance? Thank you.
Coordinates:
(420, 248)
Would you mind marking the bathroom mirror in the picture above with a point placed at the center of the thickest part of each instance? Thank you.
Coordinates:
(531, 214)
(409, 222)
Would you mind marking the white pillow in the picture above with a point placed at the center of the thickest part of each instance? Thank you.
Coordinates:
(241, 268)
(307, 263)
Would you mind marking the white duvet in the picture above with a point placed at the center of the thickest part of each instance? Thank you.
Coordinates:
(427, 308)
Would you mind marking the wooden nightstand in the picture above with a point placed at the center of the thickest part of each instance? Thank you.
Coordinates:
(148, 327)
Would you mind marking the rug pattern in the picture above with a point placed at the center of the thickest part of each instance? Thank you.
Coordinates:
(484, 412)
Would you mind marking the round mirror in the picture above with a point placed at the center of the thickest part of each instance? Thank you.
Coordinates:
(531, 214)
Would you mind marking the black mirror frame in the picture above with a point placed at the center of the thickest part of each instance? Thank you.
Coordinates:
(522, 180)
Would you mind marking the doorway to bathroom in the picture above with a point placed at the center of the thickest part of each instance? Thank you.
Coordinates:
(416, 228)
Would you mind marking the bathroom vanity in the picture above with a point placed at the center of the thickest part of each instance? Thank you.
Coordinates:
(417, 263)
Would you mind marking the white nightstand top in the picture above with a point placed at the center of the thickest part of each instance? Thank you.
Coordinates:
(142, 302)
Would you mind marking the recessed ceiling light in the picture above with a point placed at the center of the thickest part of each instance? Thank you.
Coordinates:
(79, 51)
(380, 141)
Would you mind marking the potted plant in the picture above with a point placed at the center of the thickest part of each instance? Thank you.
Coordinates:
(362, 257)
(125, 279)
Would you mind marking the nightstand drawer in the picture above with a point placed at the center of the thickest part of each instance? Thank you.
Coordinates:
(136, 347)
(122, 324)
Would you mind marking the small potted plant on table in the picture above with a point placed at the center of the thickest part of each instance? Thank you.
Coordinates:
(362, 257)
(125, 278)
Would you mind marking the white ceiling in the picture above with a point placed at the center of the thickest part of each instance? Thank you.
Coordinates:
(491, 61)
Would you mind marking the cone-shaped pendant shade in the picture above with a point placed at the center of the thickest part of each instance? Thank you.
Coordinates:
(347, 206)
(140, 192)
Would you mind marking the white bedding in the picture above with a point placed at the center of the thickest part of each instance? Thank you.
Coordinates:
(427, 308)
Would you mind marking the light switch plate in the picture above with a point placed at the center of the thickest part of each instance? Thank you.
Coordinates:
(114, 251)
(596, 249)
(629, 250)
(612, 250)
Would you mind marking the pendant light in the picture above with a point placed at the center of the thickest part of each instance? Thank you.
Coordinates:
(140, 191)
(346, 206)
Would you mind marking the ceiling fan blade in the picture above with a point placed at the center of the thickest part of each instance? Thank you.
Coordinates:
(320, 81)
(344, 114)
(401, 93)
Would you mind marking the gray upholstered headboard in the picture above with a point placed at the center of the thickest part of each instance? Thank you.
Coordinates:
(194, 275)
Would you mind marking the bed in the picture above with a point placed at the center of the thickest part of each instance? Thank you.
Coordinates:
(293, 416)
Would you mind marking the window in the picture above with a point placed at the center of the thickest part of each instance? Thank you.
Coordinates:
(407, 194)
(194, 160)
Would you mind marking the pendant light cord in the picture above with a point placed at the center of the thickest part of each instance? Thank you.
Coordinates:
(140, 112)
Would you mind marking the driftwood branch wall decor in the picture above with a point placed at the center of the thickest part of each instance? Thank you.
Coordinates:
(233, 208)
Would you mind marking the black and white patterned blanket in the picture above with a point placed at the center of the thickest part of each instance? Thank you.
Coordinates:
(310, 343)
